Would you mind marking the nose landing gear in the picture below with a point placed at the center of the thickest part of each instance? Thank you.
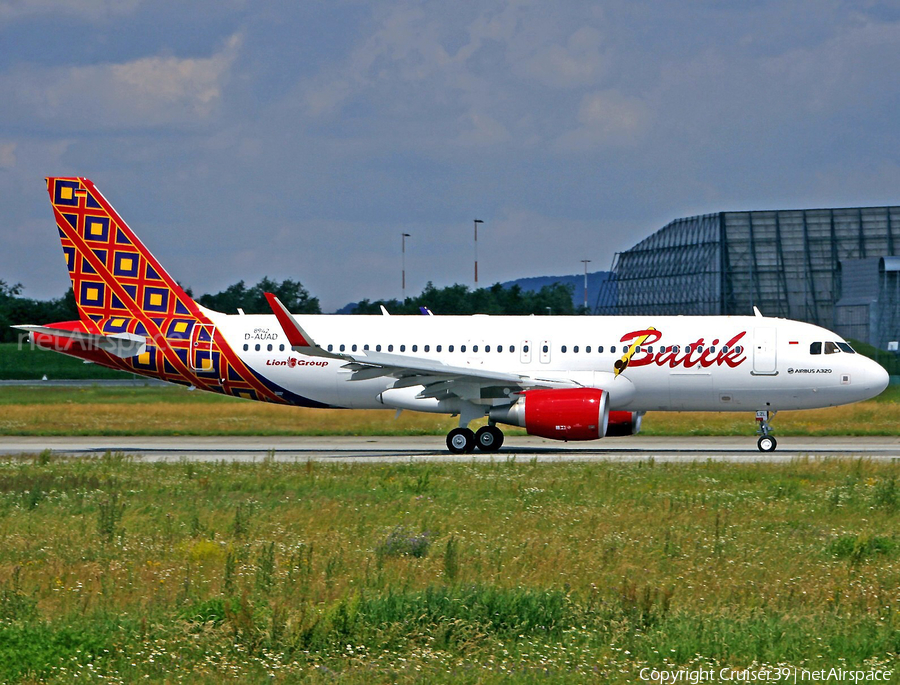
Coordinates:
(766, 442)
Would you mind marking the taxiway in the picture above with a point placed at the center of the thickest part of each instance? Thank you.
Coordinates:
(431, 448)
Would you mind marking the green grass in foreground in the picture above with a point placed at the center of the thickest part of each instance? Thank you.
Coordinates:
(506, 572)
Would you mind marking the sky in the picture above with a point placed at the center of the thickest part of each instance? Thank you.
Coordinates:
(299, 140)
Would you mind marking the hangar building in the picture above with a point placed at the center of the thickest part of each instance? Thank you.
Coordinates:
(833, 267)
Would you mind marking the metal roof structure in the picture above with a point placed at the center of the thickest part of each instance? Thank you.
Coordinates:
(788, 263)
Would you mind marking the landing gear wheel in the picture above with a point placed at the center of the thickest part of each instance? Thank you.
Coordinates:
(461, 440)
(489, 438)
(766, 443)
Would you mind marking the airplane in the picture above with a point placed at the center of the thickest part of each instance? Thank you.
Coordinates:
(559, 377)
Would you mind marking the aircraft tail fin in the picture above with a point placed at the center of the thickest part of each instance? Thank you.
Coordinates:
(113, 274)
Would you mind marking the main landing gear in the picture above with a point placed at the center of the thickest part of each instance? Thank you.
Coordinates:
(487, 439)
(766, 442)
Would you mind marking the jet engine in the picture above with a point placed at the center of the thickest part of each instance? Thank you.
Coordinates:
(559, 414)
(624, 423)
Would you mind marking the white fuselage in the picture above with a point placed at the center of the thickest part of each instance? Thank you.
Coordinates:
(735, 363)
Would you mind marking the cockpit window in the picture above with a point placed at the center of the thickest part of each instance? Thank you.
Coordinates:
(831, 348)
(846, 348)
(815, 348)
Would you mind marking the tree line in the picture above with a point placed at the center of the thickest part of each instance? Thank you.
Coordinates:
(453, 299)
(458, 299)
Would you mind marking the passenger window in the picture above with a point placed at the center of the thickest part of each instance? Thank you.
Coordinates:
(625, 349)
(831, 348)
(281, 348)
(342, 348)
(487, 348)
(546, 349)
(269, 348)
(600, 349)
(687, 349)
(246, 347)
(525, 349)
(403, 348)
(846, 348)
(499, 348)
(649, 349)
(462, 348)
(724, 349)
(330, 347)
(390, 348)
(637, 348)
(563, 349)
(587, 349)
(712, 349)
(612, 349)
(366, 347)
(512, 348)
(427, 348)
(354, 347)
(450, 348)
(739, 349)
(257, 347)
(378, 348)
(415, 348)
(438, 348)
(575, 349)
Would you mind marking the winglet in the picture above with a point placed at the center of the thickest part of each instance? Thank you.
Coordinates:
(298, 338)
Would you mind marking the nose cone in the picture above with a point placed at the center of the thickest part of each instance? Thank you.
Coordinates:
(876, 378)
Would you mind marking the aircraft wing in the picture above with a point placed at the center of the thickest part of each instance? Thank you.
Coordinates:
(439, 379)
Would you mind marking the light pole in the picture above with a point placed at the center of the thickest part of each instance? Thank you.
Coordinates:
(403, 237)
(477, 221)
(585, 262)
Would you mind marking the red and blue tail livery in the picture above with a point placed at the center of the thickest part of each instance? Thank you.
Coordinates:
(562, 378)
(124, 295)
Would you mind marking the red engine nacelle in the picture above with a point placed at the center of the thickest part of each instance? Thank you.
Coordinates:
(624, 423)
(562, 414)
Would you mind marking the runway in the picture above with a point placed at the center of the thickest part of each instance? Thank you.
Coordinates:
(432, 448)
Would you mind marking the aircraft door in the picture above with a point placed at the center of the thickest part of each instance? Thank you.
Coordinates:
(201, 355)
(525, 352)
(545, 351)
(764, 352)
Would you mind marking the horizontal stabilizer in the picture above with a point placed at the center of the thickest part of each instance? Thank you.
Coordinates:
(122, 345)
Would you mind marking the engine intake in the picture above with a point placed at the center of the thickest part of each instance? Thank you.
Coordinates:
(559, 414)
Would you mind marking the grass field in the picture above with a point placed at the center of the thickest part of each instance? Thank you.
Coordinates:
(24, 362)
(171, 410)
(452, 573)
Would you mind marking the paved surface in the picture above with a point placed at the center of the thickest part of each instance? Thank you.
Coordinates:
(228, 448)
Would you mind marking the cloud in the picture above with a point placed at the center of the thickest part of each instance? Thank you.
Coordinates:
(7, 155)
(11, 10)
(482, 130)
(579, 62)
(607, 119)
(147, 92)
